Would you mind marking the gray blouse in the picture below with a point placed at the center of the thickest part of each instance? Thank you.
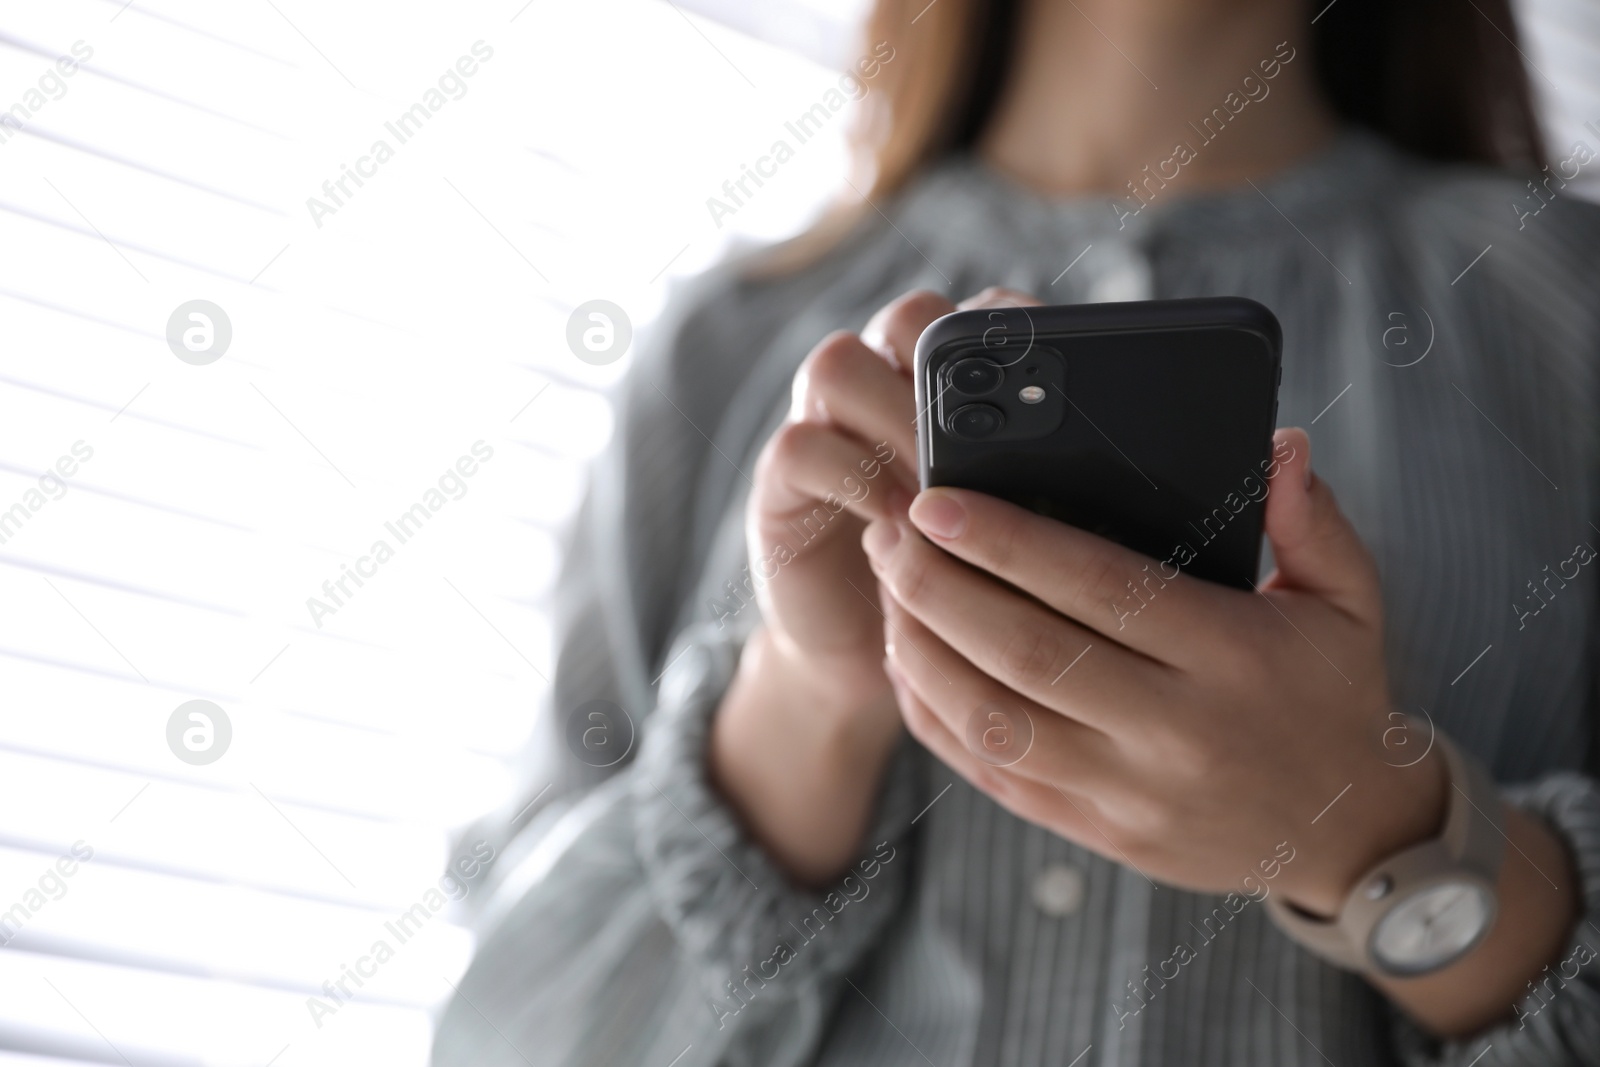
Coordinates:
(1441, 333)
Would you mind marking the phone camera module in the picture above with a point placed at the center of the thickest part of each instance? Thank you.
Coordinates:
(975, 422)
(976, 376)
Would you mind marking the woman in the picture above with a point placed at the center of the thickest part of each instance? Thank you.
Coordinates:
(807, 863)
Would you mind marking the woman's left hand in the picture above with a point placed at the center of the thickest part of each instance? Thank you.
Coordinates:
(1197, 733)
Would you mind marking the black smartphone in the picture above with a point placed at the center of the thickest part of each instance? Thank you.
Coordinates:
(1148, 422)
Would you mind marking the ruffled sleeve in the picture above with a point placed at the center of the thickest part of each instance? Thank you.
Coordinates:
(757, 935)
(646, 927)
(1557, 1022)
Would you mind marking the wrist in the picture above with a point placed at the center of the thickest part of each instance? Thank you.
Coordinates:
(1388, 810)
(846, 699)
(799, 754)
(1540, 906)
(1426, 905)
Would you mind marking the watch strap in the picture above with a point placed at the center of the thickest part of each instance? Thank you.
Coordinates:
(1468, 849)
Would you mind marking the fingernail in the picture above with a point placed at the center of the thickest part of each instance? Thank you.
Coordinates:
(994, 296)
(982, 303)
(880, 539)
(939, 515)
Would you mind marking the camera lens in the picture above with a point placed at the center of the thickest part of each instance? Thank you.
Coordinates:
(976, 421)
(976, 376)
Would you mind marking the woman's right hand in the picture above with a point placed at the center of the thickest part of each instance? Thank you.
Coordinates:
(845, 456)
(803, 734)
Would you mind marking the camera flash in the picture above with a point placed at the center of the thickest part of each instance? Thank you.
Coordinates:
(1031, 394)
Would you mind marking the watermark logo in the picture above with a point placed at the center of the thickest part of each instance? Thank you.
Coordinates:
(1542, 194)
(1145, 188)
(52, 486)
(852, 85)
(999, 734)
(51, 886)
(1404, 343)
(599, 332)
(199, 732)
(1536, 602)
(748, 983)
(51, 85)
(1254, 888)
(806, 528)
(452, 485)
(451, 85)
(1405, 742)
(599, 733)
(452, 887)
(999, 339)
(199, 332)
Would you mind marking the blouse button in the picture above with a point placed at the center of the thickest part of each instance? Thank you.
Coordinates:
(1058, 890)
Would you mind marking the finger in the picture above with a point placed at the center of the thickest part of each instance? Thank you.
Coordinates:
(997, 296)
(1071, 674)
(1146, 605)
(1073, 815)
(845, 384)
(1062, 810)
(1315, 548)
(1012, 638)
(1040, 804)
(893, 331)
(998, 726)
(806, 466)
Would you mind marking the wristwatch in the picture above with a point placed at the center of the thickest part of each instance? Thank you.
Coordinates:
(1425, 907)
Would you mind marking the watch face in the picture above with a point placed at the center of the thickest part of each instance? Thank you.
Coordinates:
(1432, 927)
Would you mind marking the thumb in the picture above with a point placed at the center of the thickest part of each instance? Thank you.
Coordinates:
(1316, 549)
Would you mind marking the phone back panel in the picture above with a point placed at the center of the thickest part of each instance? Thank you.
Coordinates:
(1147, 422)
